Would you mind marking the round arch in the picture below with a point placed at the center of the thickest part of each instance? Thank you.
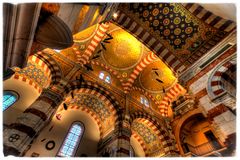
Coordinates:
(180, 123)
(100, 92)
(160, 128)
(55, 70)
(215, 85)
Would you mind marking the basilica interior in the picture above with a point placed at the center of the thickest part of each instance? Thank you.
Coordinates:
(119, 80)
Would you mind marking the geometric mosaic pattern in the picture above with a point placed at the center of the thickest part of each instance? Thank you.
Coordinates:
(177, 29)
(132, 25)
(93, 103)
(166, 20)
(109, 101)
(33, 72)
(159, 128)
(144, 132)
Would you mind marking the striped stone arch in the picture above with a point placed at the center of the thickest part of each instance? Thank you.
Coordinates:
(141, 142)
(145, 93)
(169, 97)
(152, 43)
(100, 96)
(108, 69)
(160, 128)
(139, 68)
(28, 80)
(97, 38)
(89, 112)
(215, 86)
(43, 64)
(56, 73)
(102, 93)
(209, 18)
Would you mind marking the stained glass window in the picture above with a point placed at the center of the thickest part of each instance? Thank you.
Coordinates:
(105, 76)
(101, 75)
(144, 101)
(8, 99)
(107, 79)
(72, 140)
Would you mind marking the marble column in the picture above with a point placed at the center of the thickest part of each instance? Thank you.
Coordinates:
(19, 135)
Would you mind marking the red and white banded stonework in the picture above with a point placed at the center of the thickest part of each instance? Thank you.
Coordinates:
(209, 18)
(139, 68)
(102, 29)
(170, 96)
(147, 39)
(159, 127)
(27, 80)
(216, 84)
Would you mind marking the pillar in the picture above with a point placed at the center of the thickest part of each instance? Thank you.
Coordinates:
(19, 25)
(123, 134)
(19, 135)
(117, 143)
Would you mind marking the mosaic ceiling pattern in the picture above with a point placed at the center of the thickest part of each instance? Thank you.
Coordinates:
(35, 73)
(93, 103)
(168, 21)
(124, 51)
(164, 73)
(179, 31)
(122, 54)
(152, 142)
(144, 132)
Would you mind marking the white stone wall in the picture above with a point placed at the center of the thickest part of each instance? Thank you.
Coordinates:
(226, 122)
(207, 104)
(200, 84)
(87, 145)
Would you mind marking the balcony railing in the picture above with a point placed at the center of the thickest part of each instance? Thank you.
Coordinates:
(205, 148)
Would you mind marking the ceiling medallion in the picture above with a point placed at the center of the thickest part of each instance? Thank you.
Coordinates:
(158, 97)
(124, 74)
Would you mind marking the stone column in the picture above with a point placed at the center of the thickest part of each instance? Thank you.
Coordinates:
(19, 135)
(19, 25)
(117, 143)
(123, 134)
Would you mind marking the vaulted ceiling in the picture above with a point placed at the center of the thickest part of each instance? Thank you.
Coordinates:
(143, 49)
(187, 31)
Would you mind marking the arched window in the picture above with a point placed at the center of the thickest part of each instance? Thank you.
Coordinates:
(105, 76)
(9, 98)
(72, 140)
(144, 101)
